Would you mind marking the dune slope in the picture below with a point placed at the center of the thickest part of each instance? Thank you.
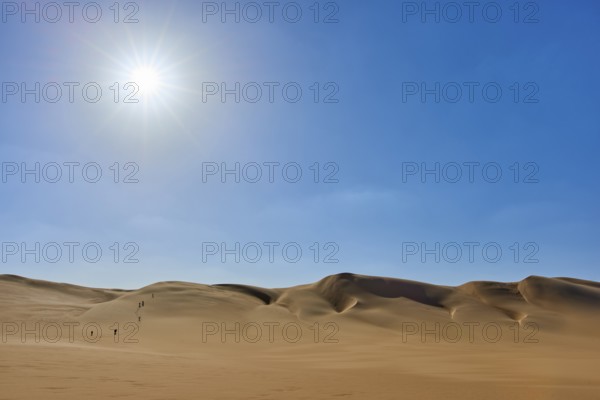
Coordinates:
(346, 335)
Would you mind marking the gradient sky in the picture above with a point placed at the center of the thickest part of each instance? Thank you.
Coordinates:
(373, 54)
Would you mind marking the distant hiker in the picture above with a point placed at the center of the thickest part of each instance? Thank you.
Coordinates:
(92, 333)
(139, 305)
(139, 319)
(142, 304)
(115, 334)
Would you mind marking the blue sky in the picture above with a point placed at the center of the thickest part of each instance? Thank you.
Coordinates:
(370, 133)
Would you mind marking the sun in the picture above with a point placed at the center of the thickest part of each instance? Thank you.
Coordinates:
(148, 80)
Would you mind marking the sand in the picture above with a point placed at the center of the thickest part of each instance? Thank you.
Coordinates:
(346, 336)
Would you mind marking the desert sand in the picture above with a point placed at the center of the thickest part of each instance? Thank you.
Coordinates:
(346, 336)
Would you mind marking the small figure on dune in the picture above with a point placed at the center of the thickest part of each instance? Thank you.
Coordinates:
(115, 334)
(139, 319)
(142, 304)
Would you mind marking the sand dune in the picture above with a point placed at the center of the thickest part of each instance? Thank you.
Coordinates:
(347, 335)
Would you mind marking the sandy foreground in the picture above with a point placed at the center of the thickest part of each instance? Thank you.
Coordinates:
(346, 336)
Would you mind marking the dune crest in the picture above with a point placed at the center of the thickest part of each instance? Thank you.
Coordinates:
(376, 301)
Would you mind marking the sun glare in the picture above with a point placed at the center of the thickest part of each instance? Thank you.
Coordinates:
(147, 82)
(147, 79)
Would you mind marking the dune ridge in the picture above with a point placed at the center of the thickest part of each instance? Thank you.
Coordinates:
(343, 295)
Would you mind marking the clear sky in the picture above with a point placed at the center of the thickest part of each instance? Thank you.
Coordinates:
(407, 116)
